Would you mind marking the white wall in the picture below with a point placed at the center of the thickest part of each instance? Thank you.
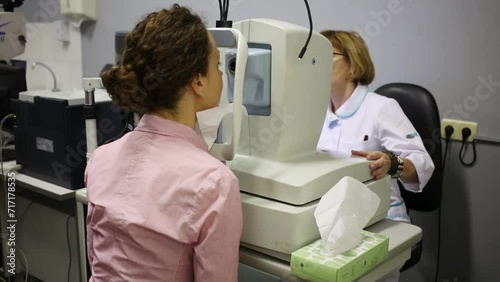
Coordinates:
(450, 47)
(63, 57)
(44, 30)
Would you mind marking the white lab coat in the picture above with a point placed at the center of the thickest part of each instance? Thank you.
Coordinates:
(371, 122)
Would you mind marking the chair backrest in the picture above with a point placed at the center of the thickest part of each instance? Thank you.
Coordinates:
(421, 109)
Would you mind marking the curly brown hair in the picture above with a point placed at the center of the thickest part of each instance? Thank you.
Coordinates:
(162, 54)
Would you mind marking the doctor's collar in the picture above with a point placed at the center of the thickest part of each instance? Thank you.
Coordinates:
(351, 106)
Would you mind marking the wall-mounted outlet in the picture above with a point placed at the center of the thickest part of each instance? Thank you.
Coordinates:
(458, 125)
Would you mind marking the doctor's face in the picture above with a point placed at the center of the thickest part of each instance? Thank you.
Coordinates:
(341, 67)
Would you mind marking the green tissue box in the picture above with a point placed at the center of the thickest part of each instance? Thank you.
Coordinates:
(309, 264)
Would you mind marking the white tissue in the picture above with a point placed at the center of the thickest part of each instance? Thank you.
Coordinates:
(343, 212)
(208, 122)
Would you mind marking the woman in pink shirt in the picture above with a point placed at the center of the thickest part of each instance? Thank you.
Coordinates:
(160, 207)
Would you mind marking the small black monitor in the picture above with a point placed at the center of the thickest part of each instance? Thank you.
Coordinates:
(12, 81)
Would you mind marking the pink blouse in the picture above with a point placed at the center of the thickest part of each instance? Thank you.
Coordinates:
(161, 208)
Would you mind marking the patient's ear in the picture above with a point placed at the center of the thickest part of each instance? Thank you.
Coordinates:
(197, 85)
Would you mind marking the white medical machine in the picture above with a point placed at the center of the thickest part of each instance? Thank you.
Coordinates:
(281, 175)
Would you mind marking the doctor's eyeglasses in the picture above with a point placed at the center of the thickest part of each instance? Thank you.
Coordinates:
(339, 54)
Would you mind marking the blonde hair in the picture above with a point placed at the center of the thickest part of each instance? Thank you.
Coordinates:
(356, 52)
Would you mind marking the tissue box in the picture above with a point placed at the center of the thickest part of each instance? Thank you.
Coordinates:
(308, 263)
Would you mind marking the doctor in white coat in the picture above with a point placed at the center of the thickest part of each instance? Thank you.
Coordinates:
(366, 124)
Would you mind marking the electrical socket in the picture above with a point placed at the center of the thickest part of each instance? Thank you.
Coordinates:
(458, 125)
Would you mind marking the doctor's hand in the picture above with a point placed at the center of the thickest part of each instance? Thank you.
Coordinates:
(381, 162)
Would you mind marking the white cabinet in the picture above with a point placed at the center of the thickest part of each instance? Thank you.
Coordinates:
(79, 9)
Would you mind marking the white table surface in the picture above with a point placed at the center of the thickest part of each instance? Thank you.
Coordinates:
(39, 186)
(402, 237)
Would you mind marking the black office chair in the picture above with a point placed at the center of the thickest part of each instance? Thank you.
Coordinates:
(421, 109)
